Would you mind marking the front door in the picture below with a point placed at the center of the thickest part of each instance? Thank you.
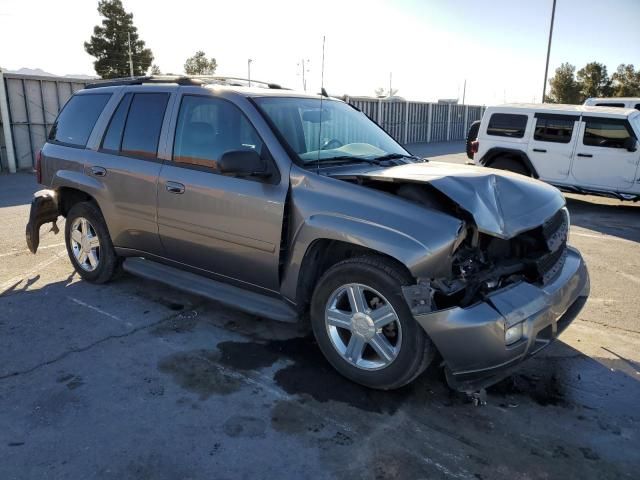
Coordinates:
(601, 159)
(551, 146)
(228, 226)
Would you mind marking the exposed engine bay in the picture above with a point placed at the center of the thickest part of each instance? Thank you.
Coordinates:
(482, 263)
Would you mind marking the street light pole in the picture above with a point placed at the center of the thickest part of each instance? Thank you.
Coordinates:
(546, 68)
(249, 70)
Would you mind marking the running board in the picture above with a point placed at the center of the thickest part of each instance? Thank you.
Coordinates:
(250, 302)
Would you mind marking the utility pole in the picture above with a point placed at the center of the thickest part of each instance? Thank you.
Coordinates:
(304, 71)
(249, 70)
(546, 68)
(464, 90)
(130, 59)
(390, 91)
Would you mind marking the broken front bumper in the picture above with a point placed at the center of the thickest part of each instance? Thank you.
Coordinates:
(472, 340)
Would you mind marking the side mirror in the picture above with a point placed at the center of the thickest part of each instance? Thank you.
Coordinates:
(243, 163)
(631, 144)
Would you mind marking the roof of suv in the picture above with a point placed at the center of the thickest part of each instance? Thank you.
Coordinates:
(568, 109)
(236, 85)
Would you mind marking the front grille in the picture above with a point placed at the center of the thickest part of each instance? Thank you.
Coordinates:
(555, 232)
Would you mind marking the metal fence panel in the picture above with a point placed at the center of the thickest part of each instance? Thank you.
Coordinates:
(415, 122)
(33, 103)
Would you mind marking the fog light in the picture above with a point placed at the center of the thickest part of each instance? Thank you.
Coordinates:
(513, 334)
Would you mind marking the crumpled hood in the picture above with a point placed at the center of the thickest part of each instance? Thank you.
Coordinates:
(503, 204)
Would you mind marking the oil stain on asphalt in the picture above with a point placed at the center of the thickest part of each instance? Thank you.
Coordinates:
(196, 371)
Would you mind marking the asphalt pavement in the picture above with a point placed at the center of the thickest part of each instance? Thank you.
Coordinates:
(135, 380)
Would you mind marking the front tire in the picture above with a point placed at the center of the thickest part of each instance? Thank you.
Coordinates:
(89, 244)
(364, 327)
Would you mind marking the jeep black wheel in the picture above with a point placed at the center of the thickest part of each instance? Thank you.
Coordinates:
(363, 324)
(89, 245)
(472, 134)
(511, 165)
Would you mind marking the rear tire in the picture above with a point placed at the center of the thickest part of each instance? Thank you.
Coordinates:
(511, 165)
(406, 348)
(472, 135)
(89, 244)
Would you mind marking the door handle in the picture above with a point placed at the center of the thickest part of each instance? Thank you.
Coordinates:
(540, 150)
(585, 155)
(174, 187)
(98, 171)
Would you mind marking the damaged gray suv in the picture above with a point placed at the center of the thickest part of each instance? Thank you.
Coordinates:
(281, 203)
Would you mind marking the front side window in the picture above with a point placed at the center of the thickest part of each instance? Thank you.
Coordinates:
(611, 134)
(555, 130)
(143, 125)
(77, 119)
(209, 127)
(507, 125)
(327, 131)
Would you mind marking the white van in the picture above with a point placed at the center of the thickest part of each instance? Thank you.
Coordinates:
(574, 147)
(620, 102)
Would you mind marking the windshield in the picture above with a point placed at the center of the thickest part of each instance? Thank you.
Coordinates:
(336, 133)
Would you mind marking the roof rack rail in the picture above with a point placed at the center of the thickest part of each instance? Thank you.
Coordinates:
(191, 80)
(116, 82)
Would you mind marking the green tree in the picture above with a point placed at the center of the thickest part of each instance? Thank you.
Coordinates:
(594, 81)
(626, 81)
(155, 70)
(109, 43)
(564, 88)
(200, 65)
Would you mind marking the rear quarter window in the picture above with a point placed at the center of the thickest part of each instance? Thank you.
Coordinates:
(507, 125)
(77, 119)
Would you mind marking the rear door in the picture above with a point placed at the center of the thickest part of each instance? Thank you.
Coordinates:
(552, 144)
(126, 163)
(224, 225)
(601, 159)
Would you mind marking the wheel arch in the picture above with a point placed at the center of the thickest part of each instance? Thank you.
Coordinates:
(323, 240)
(493, 154)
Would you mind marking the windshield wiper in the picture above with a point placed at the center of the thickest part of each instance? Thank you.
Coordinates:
(345, 159)
(394, 156)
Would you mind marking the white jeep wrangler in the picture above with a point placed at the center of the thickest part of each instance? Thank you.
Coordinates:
(577, 148)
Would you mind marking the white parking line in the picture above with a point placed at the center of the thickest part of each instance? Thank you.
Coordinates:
(99, 310)
(18, 252)
(19, 278)
(602, 236)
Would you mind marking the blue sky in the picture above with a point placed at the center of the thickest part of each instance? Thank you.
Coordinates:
(431, 46)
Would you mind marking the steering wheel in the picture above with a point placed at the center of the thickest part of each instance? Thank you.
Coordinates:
(330, 144)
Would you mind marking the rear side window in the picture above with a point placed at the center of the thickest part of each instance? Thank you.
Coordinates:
(554, 130)
(143, 124)
(507, 125)
(209, 127)
(113, 136)
(77, 119)
(620, 105)
(610, 134)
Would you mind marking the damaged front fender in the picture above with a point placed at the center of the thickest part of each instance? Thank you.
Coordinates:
(44, 209)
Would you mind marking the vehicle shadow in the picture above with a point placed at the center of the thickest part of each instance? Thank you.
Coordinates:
(617, 219)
